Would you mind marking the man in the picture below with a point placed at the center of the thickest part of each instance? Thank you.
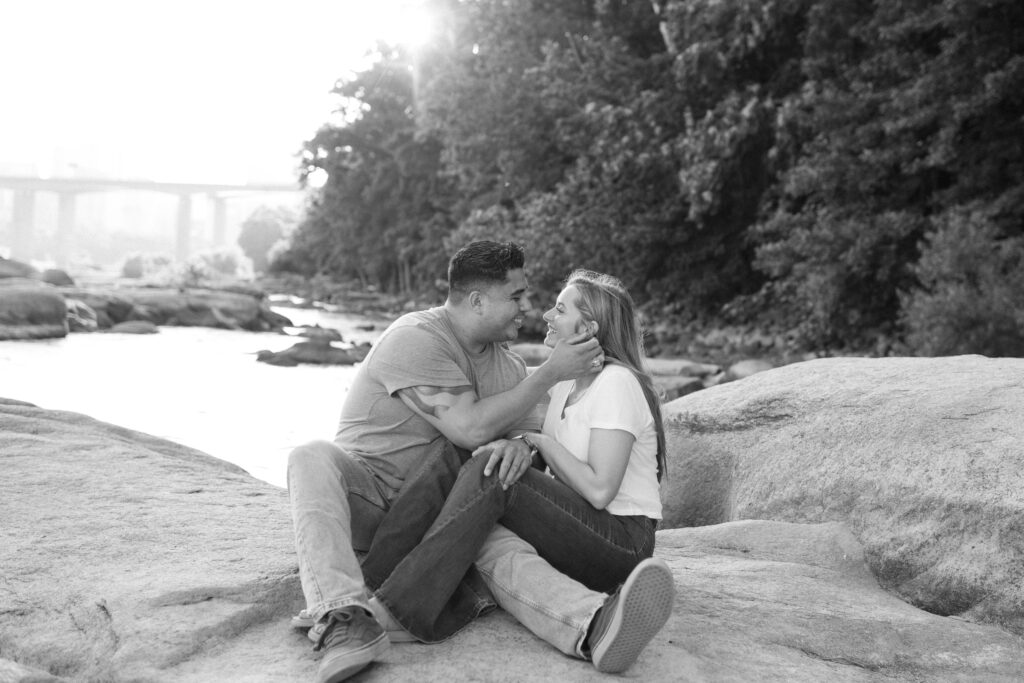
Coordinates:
(437, 378)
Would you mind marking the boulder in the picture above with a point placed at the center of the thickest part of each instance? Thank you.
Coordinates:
(57, 277)
(128, 557)
(680, 366)
(920, 457)
(134, 327)
(674, 386)
(314, 351)
(13, 268)
(225, 309)
(316, 332)
(745, 368)
(30, 309)
(81, 318)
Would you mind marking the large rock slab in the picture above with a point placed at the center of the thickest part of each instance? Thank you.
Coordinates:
(30, 309)
(233, 309)
(127, 557)
(921, 457)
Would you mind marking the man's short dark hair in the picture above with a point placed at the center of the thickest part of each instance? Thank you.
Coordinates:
(482, 264)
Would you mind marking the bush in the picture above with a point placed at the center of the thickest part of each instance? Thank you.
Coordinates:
(223, 262)
(262, 230)
(144, 265)
(970, 296)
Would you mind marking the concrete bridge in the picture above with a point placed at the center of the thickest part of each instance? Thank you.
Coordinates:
(25, 189)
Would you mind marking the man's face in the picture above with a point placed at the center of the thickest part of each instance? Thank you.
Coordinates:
(503, 307)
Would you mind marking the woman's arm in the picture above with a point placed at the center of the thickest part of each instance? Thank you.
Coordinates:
(597, 480)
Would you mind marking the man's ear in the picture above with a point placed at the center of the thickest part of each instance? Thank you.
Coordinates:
(476, 300)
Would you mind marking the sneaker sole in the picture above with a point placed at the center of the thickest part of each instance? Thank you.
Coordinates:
(351, 662)
(645, 604)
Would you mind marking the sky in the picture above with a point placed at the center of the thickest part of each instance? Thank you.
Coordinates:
(179, 90)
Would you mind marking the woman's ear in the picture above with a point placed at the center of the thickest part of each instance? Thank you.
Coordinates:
(592, 327)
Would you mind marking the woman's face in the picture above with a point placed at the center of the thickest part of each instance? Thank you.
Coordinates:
(564, 319)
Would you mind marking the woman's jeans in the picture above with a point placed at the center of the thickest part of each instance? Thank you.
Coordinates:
(416, 581)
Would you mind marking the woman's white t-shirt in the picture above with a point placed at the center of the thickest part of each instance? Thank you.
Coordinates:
(614, 400)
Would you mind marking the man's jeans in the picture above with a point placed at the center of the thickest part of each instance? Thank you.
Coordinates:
(594, 546)
(338, 507)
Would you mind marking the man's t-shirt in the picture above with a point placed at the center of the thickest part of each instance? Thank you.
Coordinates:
(418, 349)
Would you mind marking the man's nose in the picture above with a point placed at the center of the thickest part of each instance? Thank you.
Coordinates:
(525, 304)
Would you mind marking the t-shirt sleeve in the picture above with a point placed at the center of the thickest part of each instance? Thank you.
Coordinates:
(618, 402)
(411, 356)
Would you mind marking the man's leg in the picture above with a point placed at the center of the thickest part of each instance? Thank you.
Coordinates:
(550, 604)
(336, 502)
(336, 507)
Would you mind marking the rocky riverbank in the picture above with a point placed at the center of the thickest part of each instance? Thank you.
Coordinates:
(825, 492)
(46, 305)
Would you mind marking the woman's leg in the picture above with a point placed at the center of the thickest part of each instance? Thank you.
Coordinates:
(589, 545)
(593, 546)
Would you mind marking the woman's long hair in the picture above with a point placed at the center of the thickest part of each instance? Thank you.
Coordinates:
(604, 300)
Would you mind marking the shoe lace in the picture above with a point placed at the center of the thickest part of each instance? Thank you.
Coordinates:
(336, 630)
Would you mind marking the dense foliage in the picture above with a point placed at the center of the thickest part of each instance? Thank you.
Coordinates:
(845, 175)
(262, 230)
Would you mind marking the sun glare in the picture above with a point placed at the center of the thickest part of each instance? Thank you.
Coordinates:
(125, 88)
(407, 23)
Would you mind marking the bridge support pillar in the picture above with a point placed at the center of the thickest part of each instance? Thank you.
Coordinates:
(23, 223)
(65, 228)
(184, 227)
(220, 221)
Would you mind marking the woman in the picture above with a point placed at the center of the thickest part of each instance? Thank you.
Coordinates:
(603, 442)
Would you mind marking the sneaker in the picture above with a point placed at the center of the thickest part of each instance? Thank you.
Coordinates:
(351, 640)
(396, 633)
(631, 616)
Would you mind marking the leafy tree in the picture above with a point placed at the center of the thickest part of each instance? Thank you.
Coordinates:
(909, 110)
(971, 280)
(379, 217)
(264, 228)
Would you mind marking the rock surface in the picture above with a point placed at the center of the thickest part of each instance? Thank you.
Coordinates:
(125, 557)
(220, 308)
(921, 457)
(30, 309)
(316, 351)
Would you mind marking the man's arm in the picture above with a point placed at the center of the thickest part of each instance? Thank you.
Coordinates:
(469, 421)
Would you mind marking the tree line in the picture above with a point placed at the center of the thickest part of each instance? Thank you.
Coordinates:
(849, 174)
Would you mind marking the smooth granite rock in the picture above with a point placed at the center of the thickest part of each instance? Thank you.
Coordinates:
(30, 309)
(192, 307)
(921, 457)
(125, 557)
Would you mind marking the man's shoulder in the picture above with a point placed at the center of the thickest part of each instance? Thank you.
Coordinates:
(413, 338)
(417, 324)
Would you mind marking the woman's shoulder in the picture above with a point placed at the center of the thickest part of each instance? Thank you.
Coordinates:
(616, 377)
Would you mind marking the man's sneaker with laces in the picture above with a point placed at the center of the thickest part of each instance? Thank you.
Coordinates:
(631, 616)
(351, 640)
(396, 633)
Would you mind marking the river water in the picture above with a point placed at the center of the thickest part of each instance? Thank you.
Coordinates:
(197, 386)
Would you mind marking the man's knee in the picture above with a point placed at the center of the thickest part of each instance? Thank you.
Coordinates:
(475, 466)
(314, 461)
